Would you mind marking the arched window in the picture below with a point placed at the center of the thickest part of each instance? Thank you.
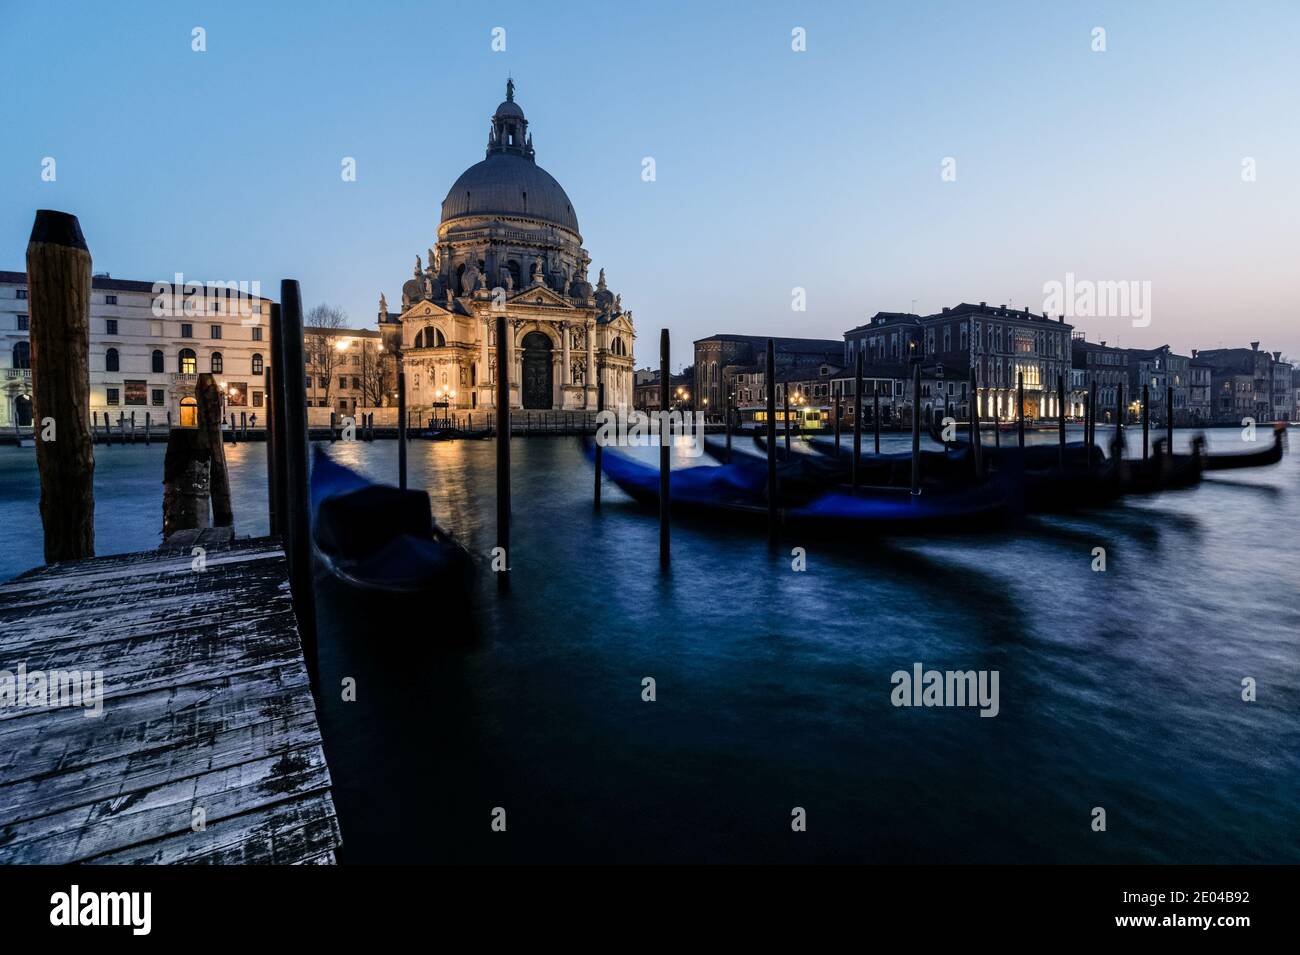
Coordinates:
(439, 339)
(158, 361)
(111, 362)
(22, 355)
(188, 362)
(257, 364)
(218, 363)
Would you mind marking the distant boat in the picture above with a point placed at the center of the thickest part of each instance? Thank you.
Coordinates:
(377, 538)
(1250, 459)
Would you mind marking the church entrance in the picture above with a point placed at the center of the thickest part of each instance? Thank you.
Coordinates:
(537, 383)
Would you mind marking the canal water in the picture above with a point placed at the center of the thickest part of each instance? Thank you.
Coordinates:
(1119, 690)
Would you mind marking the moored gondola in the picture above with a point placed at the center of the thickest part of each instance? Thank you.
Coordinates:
(736, 493)
(380, 539)
(1250, 459)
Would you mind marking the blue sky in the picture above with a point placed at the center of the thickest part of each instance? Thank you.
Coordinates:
(775, 169)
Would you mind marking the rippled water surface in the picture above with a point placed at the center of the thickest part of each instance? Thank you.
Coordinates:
(1119, 689)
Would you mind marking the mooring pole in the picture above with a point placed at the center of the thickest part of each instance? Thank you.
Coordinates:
(600, 406)
(209, 398)
(276, 466)
(770, 379)
(1119, 420)
(1092, 418)
(503, 455)
(1020, 408)
(58, 283)
(916, 428)
(976, 438)
(147, 426)
(1060, 415)
(857, 417)
(839, 408)
(1146, 420)
(785, 411)
(728, 421)
(665, 441)
(401, 430)
(1169, 419)
(875, 411)
(297, 494)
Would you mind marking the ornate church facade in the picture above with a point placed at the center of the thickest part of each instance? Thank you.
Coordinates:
(508, 244)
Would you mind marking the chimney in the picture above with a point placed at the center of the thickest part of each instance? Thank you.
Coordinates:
(945, 309)
(1277, 356)
(1103, 343)
(1060, 318)
(1254, 346)
(983, 304)
(1195, 351)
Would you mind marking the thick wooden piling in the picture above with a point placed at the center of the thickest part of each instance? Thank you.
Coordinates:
(148, 428)
(186, 481)
(1020, 409)
(727, 399)
(916, 428)
(209, 398)
(1092, 419)
(333, 426)
(297, 481)
(600, 463)
(976, 437)
(770, 377)
(1060, 415)
(58, 283)
(401, 430)
(503, 454)
(665, 446)
(1146, 421)
(857, 417)
(133, 427)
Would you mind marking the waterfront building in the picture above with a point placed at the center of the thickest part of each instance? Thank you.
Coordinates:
(1241, 382)
(1283, 395)
(1158, 369)
(508, 245)
(1106, 367)
(348, 369)
(147, 348)
(721, 359)
(1000, 343)
(1200, 390)
(646, 385)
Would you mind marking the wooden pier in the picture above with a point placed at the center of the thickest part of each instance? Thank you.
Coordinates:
(207, 749)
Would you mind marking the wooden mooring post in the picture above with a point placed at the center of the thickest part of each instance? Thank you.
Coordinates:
(1020, 410)
(770, 379)
(857, 419)
(916, 428)
(1060, 415)
(297, 513)
(1146, 421)
(785, 412)
(274, 413)
(503, 454)
(58, 284)
(665, 448)
(1092, 419)
(875, 412)
(1169, 420)
(401, 429)
(727, 419)
(210, 420)
(1119, 421)
(600, 406)
(976, 435)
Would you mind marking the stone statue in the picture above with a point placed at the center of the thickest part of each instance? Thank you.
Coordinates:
(383, 306)
(600, 282)
(419, 268)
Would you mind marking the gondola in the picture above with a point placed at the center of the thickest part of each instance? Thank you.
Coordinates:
(1163, 471)
(1249, 459)
(889, 469)
(737, 493)
(380, 539)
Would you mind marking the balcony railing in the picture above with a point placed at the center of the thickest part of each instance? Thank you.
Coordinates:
(18, 374)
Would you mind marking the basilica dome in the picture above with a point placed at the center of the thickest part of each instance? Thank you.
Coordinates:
(509, 185)
(509, 182)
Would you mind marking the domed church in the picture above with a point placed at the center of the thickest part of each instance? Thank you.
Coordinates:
(508, 242)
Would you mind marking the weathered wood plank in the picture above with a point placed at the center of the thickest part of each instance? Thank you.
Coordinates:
(206, 704)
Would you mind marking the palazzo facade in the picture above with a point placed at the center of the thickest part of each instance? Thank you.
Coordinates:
(508, 245)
